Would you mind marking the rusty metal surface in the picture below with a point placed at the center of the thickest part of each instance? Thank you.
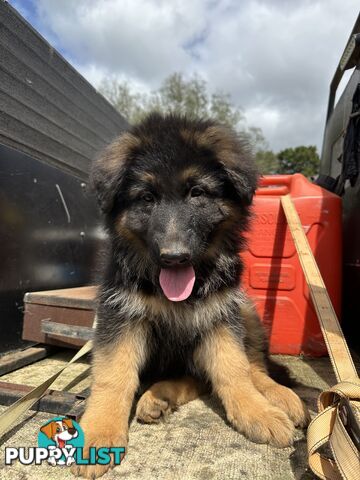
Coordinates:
(79, 297)
(13, 360)
(34, 314)
(76, 410)
(54, 401)
(69, 331)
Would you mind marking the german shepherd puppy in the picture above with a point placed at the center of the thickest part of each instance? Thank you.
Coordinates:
(176, 194)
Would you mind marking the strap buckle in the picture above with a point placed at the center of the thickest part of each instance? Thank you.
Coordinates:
(349, 420)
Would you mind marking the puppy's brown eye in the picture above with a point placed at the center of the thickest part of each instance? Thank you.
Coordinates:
(196, 191)
(147, 197)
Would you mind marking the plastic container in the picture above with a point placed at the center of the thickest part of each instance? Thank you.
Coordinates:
(273, 276)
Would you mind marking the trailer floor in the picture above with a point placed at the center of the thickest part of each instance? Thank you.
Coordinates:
(195, 443)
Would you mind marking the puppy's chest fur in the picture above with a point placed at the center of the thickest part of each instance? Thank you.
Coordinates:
(173, 330)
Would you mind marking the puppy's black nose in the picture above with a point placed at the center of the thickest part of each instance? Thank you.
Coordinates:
(174, 259)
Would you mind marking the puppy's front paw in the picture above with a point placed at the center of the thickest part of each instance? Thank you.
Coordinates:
(261, 423)
(151, 409)
(290, 403)
(98, 439)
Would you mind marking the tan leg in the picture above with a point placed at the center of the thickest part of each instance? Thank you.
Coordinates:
(225, 362)
(164, 397)
(115, 381)
(277, 394)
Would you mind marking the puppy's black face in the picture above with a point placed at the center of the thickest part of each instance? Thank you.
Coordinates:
(178, 193)
(174, 205)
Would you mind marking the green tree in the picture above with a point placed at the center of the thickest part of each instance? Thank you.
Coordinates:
(176, 94)
(301, 159)
(267, 162)
(190, 96)
(265, 158)
(186, 97)
(129, 103)
(222, 110)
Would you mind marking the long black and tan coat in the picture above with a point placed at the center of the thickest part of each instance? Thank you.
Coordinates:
(171, 184)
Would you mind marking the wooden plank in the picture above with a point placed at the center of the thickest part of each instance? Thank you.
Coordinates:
(79, 297)
(13, 360)
(35, 313)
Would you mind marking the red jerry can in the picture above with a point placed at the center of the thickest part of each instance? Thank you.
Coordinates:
(273, 275)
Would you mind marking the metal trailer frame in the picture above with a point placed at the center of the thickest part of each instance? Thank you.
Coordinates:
(52, 125)
(338, 115)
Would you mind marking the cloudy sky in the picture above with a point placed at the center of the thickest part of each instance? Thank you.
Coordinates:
(275, 57)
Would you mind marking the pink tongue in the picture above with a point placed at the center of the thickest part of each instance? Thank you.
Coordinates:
(177, 283)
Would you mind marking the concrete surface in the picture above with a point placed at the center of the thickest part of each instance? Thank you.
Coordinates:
(195, 443)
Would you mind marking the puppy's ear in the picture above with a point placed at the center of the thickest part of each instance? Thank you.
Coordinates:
(234, 153)
(108, 168)
(48, 429)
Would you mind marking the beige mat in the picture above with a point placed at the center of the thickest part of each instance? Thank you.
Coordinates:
(195, 443)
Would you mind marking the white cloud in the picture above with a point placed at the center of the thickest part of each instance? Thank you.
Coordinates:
(142, 38)
(275, 57)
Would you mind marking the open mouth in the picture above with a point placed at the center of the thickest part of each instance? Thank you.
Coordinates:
(177, 283)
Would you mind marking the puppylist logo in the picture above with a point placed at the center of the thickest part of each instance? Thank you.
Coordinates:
(61, 442)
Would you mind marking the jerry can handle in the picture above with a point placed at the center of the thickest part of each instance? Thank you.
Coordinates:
(274, 185)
